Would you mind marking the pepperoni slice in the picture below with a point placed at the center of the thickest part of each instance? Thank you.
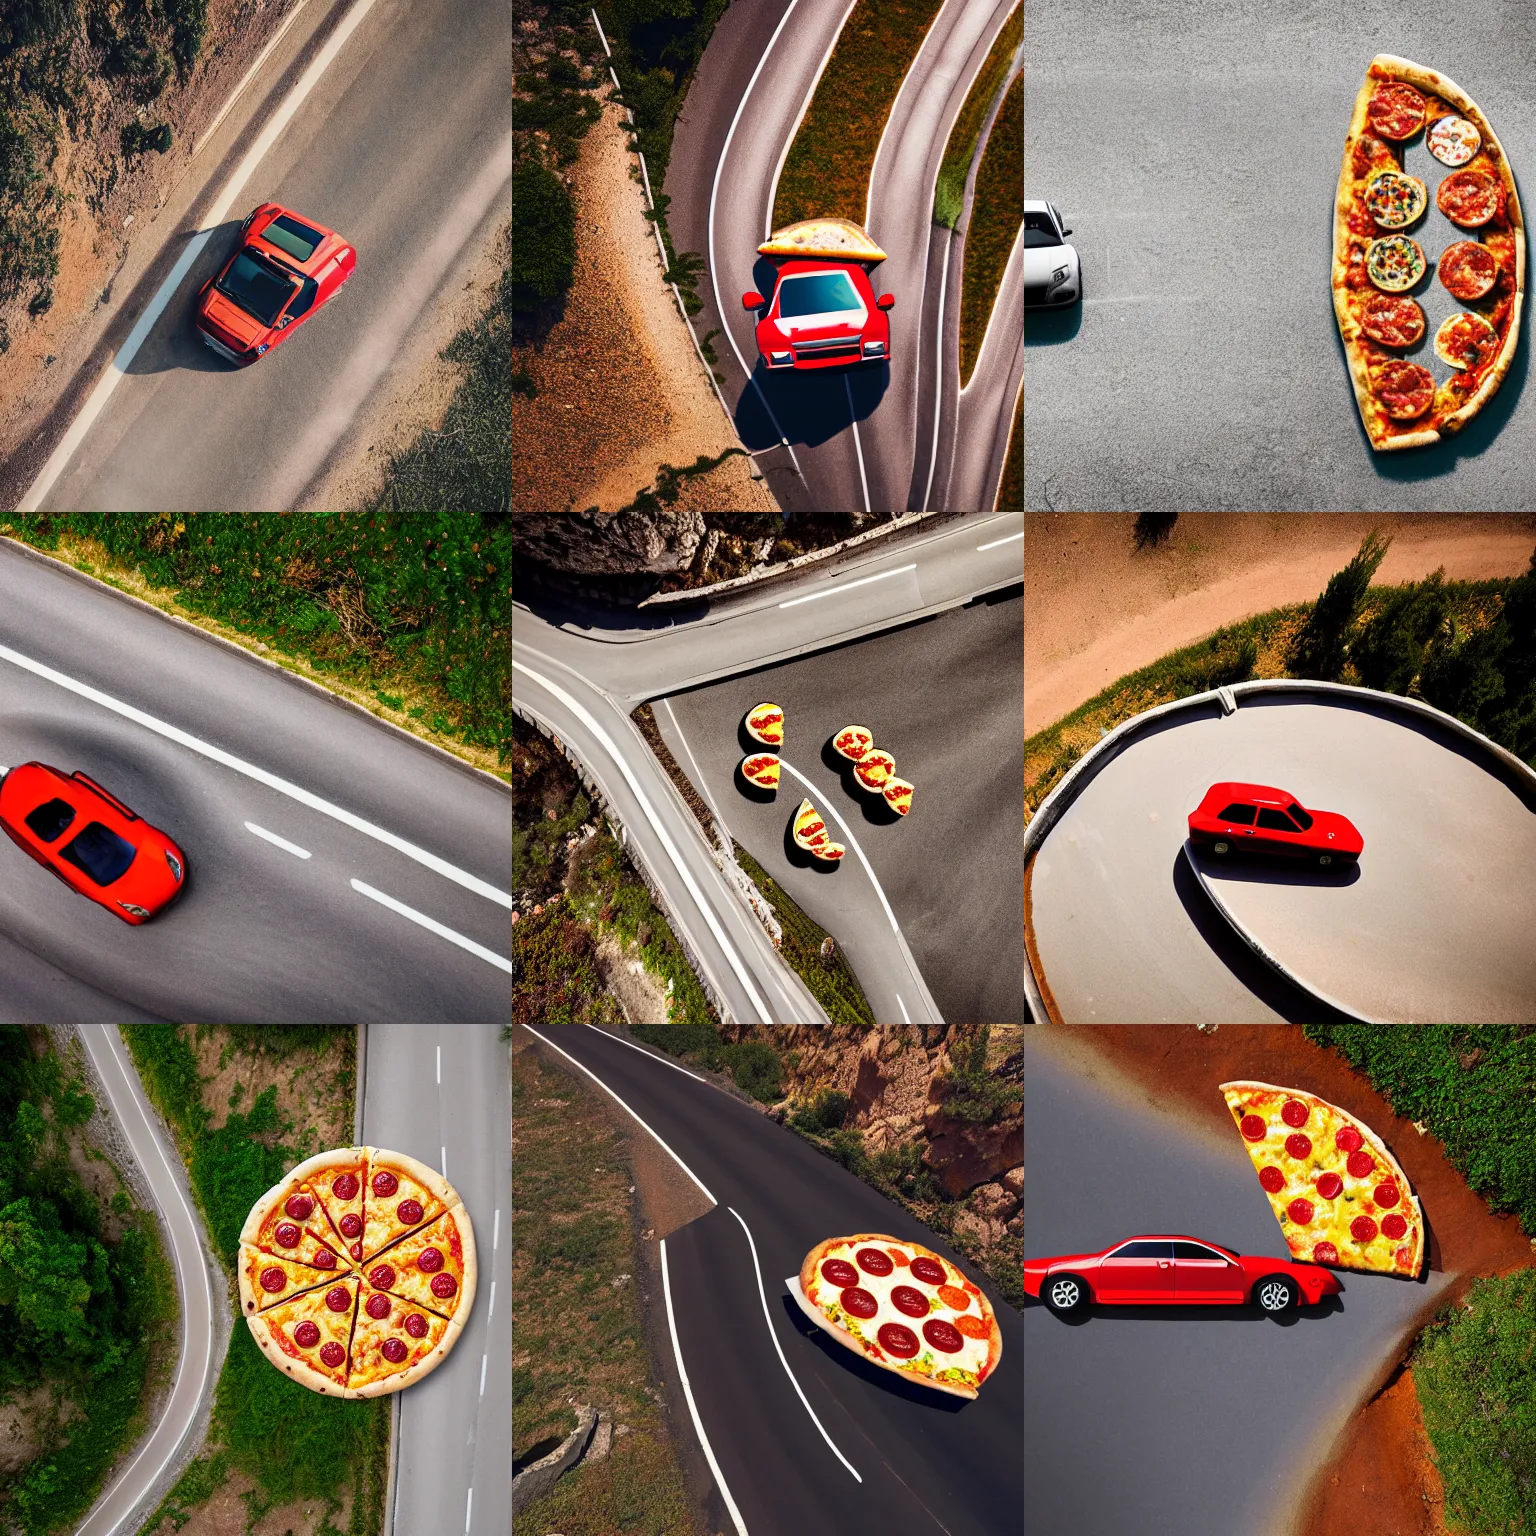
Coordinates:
(1394, 1227)
(898, 1258)
(1348, 1139)
(430, 1261)
(1360, 1165)
(1294, 1113)
(300, 1207)
(1298, 1146)
(338, 1298)
(351, 1225)
(1469, 198)
(332, 1355)
(381, 1277)
(356, 1250)
(1385, 1194)
(1362, 1229)
(306, 1335)
(273, 1279)
(378, 1306)
(416, 1325)
(1394, 320)
(1272, 1179)
(1253, 1127)
(323, 1258)
(394, 1350)
(1300, 1211)
(1330, 1186)
(875, 1261)
(899, 1340)
(857, 1302)
(838, 1272)
(1406, 390)
(443, 1286)
(344, 1186)
(1466, 341)
(1396, 111)
(385, 1183)
(973, 1327)
(1468, 270)
(1453, 140)
(410, 1212)
(910, 1301)
(1324, 1253)
(929, 1271)
(954, 1298)
(287, 1235)
(944, 1337)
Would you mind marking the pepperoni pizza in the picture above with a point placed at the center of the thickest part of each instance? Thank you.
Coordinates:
(902, 1307)
(357, 1271)
(1339, 1195)
(1376, 264)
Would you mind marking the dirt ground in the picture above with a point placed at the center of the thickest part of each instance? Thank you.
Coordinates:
(1381, 1481)
(1096, 609)
(621, 390)
(226, 1514)
(309, 1089)
(640, 995)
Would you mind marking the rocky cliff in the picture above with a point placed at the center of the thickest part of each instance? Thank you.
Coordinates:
(609, 543)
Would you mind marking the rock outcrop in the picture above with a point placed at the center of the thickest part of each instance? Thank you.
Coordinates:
(609, 543)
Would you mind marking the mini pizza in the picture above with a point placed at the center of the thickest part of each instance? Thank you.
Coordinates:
(762, 769)
(765, 723)
(432, 1268)
(808, 828)
(902, 1307)
(852, 742)
(402, 1195)
(395, 1342)
(1464, 340)
(307, 1337)
(874, 768)
(1339, 1195)
(898, 795)
(829, 852)
(1375, 192)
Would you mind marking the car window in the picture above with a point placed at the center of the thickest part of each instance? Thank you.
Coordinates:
(305, 299)
(1196, 1251)
(1276, 821)
(258, 286)
(288, 234)
(1237, 812)
(1142, 1249)
(1299, 816)
(1039, 230)
(51, 818)
(817, 293)
(99, 853)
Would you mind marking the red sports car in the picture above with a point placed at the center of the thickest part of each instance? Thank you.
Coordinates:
(286, 270)
(1258, 818)
(111, 855)
(823, 314)
(1171, 1269)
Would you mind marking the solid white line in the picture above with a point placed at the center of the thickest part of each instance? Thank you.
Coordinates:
(117, 368)
(668, 846)
(440, 1074)
(703, 788)
(490, 1311)
(938, 369)
(444, 1151)
(778, 1349)
(281, 842)
(483, 1359)
(858, 447)
(469, 1505)
(271, 780)
(847, 586)
(905, 1015)
(995, 542)
(250, 74)
(496, 1233)
(693, 1410)
(617, 1100)
(433, 926)
(665, 1061)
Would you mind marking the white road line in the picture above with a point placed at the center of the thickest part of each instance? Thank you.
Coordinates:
(432, 925)
(665, 1061)
(668, 846)
(483, 1359)
(698, 777)
(693, 1410)
(496, 1233)
(440, 1073)
(995, 542)
(858, 447)
(778, 1349)
(444, 1151)
(117, 368)
(469, 1505)
(245, 80)
(271, 780)
(905, 1015)
(847, 586)
(490, 1311)
(617, 1100)
(938, 369)
(281, 842)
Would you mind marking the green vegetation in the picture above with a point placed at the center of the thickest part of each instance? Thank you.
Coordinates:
(949, 194)
(81, 1315)
(1322, 646)
(554, 972)
(971, 1092)
(753, 1064)
(823, 1114)
(1474, 1369)
(419, 602)
(544, 256)
(997, 211)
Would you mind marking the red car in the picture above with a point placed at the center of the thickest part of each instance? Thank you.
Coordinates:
(1257, 818)
(1171, 1269)
(823, 314)
(111, 855)
(286, 269)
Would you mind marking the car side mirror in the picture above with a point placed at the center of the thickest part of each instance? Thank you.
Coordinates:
(1065, 230)
(284, 321)
(752, 300)
(885, 301)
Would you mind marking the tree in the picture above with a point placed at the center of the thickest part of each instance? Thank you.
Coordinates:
(544, 249)
(1389, 652)
(1320, 649)
(43, 1273)
(1463, 676)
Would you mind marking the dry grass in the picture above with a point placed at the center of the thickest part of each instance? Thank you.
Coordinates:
(996, 214)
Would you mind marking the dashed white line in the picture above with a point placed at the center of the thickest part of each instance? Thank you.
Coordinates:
(847, 586)
(490, 1311)
(281, 842)
(444, 1151)
(905, 1015)
(858, 447)
(995, 542)
(483, 1359)
(439, 1066)
(469, 1505)
(496, 1233)
(432, 924)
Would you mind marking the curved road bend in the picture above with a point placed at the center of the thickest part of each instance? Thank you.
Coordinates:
(1218, 1416)
(442, 1093)
(200, 1286)
(806, 1437)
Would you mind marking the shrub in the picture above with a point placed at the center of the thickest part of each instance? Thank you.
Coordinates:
(1223, 659)
(1389, 651)
(755, 1066)
(544, 253)
(971, 1092)
(1320, 649)
(826, 1112)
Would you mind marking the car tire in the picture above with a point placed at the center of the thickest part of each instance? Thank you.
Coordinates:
(1064, 1294)
(1221, 847)
(1276, 1294)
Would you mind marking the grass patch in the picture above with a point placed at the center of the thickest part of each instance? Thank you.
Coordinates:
(996, 214)
(949, 193)
(577, 1335)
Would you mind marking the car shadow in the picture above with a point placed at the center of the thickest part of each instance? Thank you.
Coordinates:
(173, 342)
(811, 407)
(1051, 327)
(1273, 869)
(1329, 1306)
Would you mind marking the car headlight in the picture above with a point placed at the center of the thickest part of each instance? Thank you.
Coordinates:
(132, 910)
(779, 358)
(1059, 275)
(874, 347)
(174, 862)
(262, 348)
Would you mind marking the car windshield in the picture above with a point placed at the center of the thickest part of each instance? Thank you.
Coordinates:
(50, 819)
(1300, 817)
(1039, 230)
(287, 234)
(817, 293)
(100, 853)
(258, 286)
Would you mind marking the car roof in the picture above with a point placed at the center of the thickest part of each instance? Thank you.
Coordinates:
(1036, 205)
(1266, 793)
(1172, 1237)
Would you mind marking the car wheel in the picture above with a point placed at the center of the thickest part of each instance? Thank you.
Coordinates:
(1275, 1294)
(1221, 847)
(1325, 859)
(1064, 1293)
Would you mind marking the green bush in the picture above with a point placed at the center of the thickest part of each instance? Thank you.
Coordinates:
(1321, 648)
(1219, 661)
(544, 253)
(1388, 653)
(755, 1066)
(971, 1092)
(826, 1112)
(700, 1041)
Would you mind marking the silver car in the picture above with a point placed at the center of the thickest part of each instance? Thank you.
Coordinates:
(1052, 274)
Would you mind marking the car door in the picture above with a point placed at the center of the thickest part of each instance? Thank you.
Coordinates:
(1237, 823)
(1141, 1270)
(1277, 832)
(1201, 1274)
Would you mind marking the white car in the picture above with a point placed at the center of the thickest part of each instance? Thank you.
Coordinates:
(1052, 274)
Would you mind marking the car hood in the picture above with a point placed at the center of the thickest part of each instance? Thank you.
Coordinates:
(1346, 836)
(1042, 260)
(820, 327)
(228, 316)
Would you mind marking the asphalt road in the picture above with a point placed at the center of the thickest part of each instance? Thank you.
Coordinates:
(442, 1093)
(404, 147)
(1181, 1421)
(1195, 153)
(858, 439)
(926, 1464)
(258, 934)
(580, 671)
(1432, 926)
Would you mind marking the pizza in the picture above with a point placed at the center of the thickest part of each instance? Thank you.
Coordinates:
(1339, 1195)
(853, 741)
(898, 795)
(765, 723)
(831, 238)
(357, 1271)
(1474, 239)
(902, 1307)
(874, 768)
(761, 769)
(810, 834)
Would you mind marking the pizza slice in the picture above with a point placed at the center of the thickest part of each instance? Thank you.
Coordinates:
(828, 852)
(809, 828)
(765, 723)
(288, 1223)
(433, 1267)
(1339, 1195)
(874, 769)
(308, 1336)
(853, 741)
(339, 1179)
(395, 1342)
(268, 1278)
(898, 795)
(403, 1195)
(761, 769)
